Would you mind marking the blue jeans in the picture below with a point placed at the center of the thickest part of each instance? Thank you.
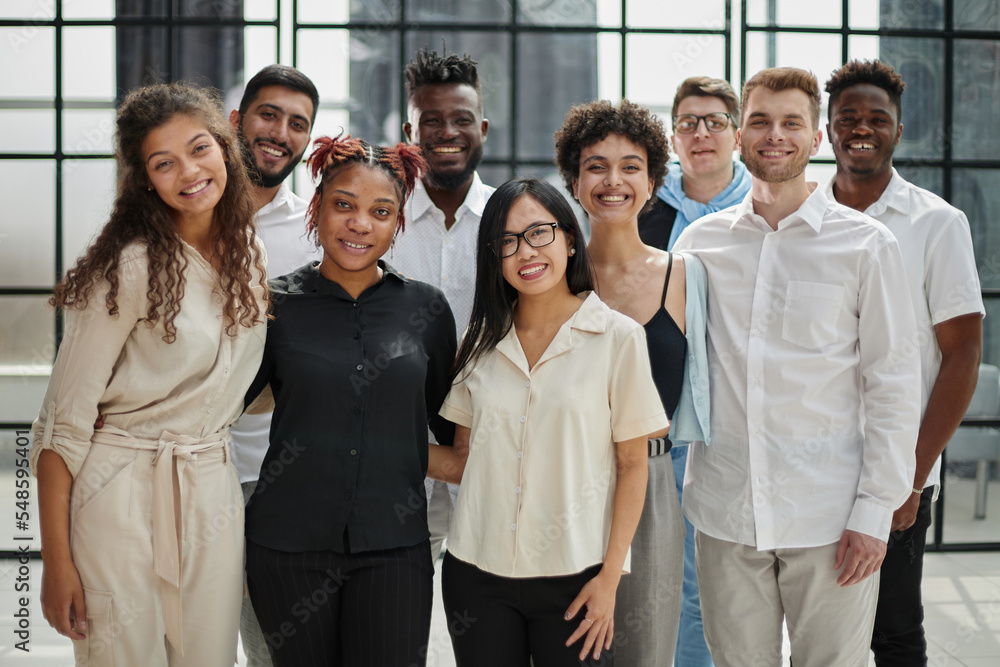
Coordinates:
(691, 649)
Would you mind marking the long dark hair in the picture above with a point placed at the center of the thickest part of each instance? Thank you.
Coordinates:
(140, 215)
(493, 307)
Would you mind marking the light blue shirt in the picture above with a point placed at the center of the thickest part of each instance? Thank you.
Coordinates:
(691, 418)
(689, 210)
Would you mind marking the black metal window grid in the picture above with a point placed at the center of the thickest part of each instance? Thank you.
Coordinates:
(939, 27)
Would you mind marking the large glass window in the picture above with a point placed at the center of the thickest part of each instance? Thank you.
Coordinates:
(947, 52)
(67, 64)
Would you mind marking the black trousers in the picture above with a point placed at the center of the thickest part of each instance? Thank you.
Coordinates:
(898, 638)
(503, 622)
(323, 608)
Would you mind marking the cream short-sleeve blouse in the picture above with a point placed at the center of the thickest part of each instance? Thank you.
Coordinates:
(538, 490)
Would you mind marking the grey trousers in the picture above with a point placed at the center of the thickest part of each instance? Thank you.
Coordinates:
(439, 513)
(250, 634)
(746, 594)
(648, 605)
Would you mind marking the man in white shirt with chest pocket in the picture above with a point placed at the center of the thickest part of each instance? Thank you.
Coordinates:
(815, 401)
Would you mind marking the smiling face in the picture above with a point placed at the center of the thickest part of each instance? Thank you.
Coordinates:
(446, 121)
(704, 154)
(864, 130)
(777, 138)
(535, 271)
(186, 167)
(613, 183)
(357, 221)
(275, 132)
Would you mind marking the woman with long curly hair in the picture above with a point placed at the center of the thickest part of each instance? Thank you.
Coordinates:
(142, 522)
(612, 159)
(357, 358)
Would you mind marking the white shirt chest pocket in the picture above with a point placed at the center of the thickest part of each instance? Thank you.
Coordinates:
(811, 313)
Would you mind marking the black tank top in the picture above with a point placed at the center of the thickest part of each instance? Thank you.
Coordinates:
(667, 351)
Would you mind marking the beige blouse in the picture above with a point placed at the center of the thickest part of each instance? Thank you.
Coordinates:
(538, 490)
(119, 367)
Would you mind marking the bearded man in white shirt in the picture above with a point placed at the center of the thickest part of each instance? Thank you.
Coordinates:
(864, 129)
(438, 246)
(815, 402)
(274, 120)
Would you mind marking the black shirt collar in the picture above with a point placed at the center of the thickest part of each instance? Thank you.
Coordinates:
(309, 279)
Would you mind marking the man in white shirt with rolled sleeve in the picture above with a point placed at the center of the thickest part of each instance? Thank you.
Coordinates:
(438, 246)
(274, 120)
(815, 400)
(864, 129)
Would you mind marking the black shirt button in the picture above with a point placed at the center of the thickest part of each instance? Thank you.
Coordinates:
(357, 335)
(356, 304)
(347, 496)
(354, 452)
(360, 367)
(357, 411)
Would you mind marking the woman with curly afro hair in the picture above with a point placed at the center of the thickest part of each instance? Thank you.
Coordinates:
(612, 159)
(142, 526)
(357, 360)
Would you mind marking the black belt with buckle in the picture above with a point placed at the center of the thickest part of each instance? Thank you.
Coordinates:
(658, 446)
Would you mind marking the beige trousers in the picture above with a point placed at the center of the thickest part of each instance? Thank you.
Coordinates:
(746, 594)
(156, 532)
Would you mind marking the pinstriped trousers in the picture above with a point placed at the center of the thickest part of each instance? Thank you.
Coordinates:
(327, 608)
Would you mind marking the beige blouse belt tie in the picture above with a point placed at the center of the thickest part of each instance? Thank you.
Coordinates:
(172, 453)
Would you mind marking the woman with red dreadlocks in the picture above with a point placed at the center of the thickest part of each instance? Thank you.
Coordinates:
(357, 359)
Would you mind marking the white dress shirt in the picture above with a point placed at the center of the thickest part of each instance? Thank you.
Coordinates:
(936, 243)
(281, 225)
(815, 400)
(539, 486)
(445, 258)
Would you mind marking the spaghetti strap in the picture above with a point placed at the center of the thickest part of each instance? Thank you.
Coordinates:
(670, 266)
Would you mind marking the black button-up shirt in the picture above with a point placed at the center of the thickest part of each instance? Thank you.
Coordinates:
(356, 384)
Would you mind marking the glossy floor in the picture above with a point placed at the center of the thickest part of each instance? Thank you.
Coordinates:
(961, 596)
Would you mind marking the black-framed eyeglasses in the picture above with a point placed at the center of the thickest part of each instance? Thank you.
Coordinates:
(537, 236)
(715, 122)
